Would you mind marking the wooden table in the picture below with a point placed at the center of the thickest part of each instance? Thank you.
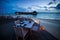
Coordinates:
(25, 25)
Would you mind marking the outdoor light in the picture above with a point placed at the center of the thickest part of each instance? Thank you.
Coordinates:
(42, 28)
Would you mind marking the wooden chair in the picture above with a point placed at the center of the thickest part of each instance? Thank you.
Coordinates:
(21, 32)
(36, 26)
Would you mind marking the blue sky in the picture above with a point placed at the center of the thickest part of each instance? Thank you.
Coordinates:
(10, 6)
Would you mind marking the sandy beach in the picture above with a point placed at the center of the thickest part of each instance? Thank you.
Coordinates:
(52, 26)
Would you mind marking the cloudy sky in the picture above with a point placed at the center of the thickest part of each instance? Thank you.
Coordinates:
(10, 6)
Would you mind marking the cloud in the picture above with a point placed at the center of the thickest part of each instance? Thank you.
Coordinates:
(33, 8)
(19, 9)
(58, 6)
(21, 5)
(50, 3)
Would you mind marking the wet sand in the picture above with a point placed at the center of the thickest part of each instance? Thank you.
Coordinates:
(52, 26)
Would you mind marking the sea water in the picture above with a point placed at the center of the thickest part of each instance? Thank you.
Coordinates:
(41, 15)
(45, 15)
(48, 15)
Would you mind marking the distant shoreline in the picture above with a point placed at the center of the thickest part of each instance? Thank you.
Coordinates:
(35, 18)
(49, 19)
